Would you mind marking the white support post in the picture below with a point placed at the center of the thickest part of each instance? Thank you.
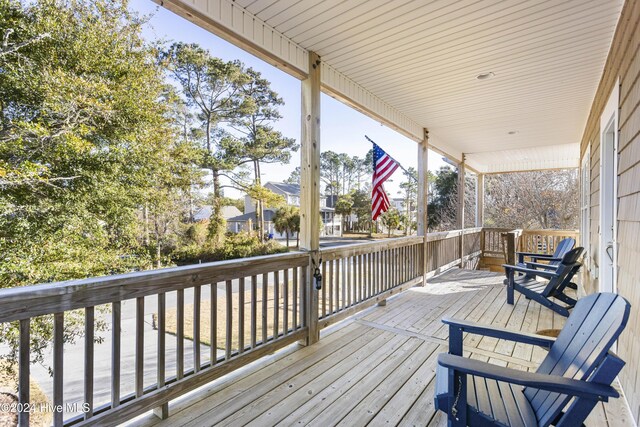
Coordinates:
(310, 187)
(423, 193)
(460, 216)
(480, 201)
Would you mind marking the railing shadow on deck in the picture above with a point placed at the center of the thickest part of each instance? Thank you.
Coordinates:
(240, 310)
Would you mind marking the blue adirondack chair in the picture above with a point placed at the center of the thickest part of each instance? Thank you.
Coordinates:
(545, 293)
(578, 366)
(551, 262)
(563, 247)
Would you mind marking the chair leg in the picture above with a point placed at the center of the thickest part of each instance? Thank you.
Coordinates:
(510, 293)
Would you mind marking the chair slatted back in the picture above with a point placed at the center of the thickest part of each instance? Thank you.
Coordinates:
(595, 323)
(563, 247)
(565, 271)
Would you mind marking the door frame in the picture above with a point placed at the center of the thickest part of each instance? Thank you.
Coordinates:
(609, 191)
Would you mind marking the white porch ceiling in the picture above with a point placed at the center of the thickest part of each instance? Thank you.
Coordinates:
(413, 63)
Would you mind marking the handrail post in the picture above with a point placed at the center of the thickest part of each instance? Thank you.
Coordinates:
(310, 188)
(423, 193)
(511, 247)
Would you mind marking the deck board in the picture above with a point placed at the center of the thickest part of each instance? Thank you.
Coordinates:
(378, 367)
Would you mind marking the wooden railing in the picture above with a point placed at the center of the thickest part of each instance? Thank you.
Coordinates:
(223, 315)
(357, 276)
(499, 245)
(254, 306)
(544, 241)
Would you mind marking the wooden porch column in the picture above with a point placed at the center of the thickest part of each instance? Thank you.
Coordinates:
(310, 188)
(480, 201)
(423, 193)
(460, 215)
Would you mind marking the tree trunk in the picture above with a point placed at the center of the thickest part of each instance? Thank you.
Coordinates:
(217, 221)
(145, 216)
(286, 233)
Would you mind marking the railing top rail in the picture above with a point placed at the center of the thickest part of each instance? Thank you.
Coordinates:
(472, 230)
(37, 300)
(551, 232)
(334, 252)
(441, 235)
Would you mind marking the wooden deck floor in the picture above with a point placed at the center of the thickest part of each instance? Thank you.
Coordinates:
(378, 367)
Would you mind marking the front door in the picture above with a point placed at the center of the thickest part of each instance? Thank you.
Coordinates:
(608, 194)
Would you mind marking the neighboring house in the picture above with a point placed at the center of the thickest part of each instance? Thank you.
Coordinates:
(291, 193)
(204, 213)
(246, 222)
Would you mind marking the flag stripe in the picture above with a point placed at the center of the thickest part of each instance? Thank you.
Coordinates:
(384, 167)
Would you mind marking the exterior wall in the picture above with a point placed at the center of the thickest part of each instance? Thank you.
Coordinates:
(623, 63)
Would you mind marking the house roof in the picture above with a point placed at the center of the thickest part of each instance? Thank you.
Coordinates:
(284, 188)
(268, 216)
(205, 212)
(415, 64)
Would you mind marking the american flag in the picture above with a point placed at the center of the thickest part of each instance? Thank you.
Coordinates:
(383, 167)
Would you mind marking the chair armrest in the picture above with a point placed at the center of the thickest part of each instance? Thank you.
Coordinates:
(537, 254)
(490, 331)
(529, 271)
(541, 265)
(553, 383)
(546, 258)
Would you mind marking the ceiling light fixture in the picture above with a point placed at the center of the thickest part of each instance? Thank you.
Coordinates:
(485, 76)
(512, 132)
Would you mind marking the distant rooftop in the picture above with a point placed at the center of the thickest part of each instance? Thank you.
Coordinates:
(291, 189)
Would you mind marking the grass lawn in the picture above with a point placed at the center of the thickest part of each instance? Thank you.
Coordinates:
(205, 322)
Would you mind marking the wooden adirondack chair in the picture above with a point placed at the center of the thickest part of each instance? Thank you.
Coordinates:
(559, 279)
(578, 366)
(563, 247)
(544, 261)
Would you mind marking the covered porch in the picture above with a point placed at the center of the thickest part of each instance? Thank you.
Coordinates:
(377, 367)
(343, 335)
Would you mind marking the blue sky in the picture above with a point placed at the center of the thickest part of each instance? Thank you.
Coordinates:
(343, 128)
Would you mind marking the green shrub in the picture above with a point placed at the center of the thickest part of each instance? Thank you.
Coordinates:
(236, 245)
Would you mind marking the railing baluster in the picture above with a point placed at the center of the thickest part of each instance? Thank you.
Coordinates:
(254, 309)
(360, 278)
(330, 282)
(338, 282)
(24, 360)
(276, 304)
(294, 298)
(180, 334)
(303, 296)
(229, 319)
(370, 275)
(58, 367)
(241, 316)
(139, 346)
(89, 320)
(343, 284)
(163, 411)
(285, 303)
(197, 297)
(324, 289)
(116, 320)
(265, 289)
(213, 331)
(385, 271)
(349, 283)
